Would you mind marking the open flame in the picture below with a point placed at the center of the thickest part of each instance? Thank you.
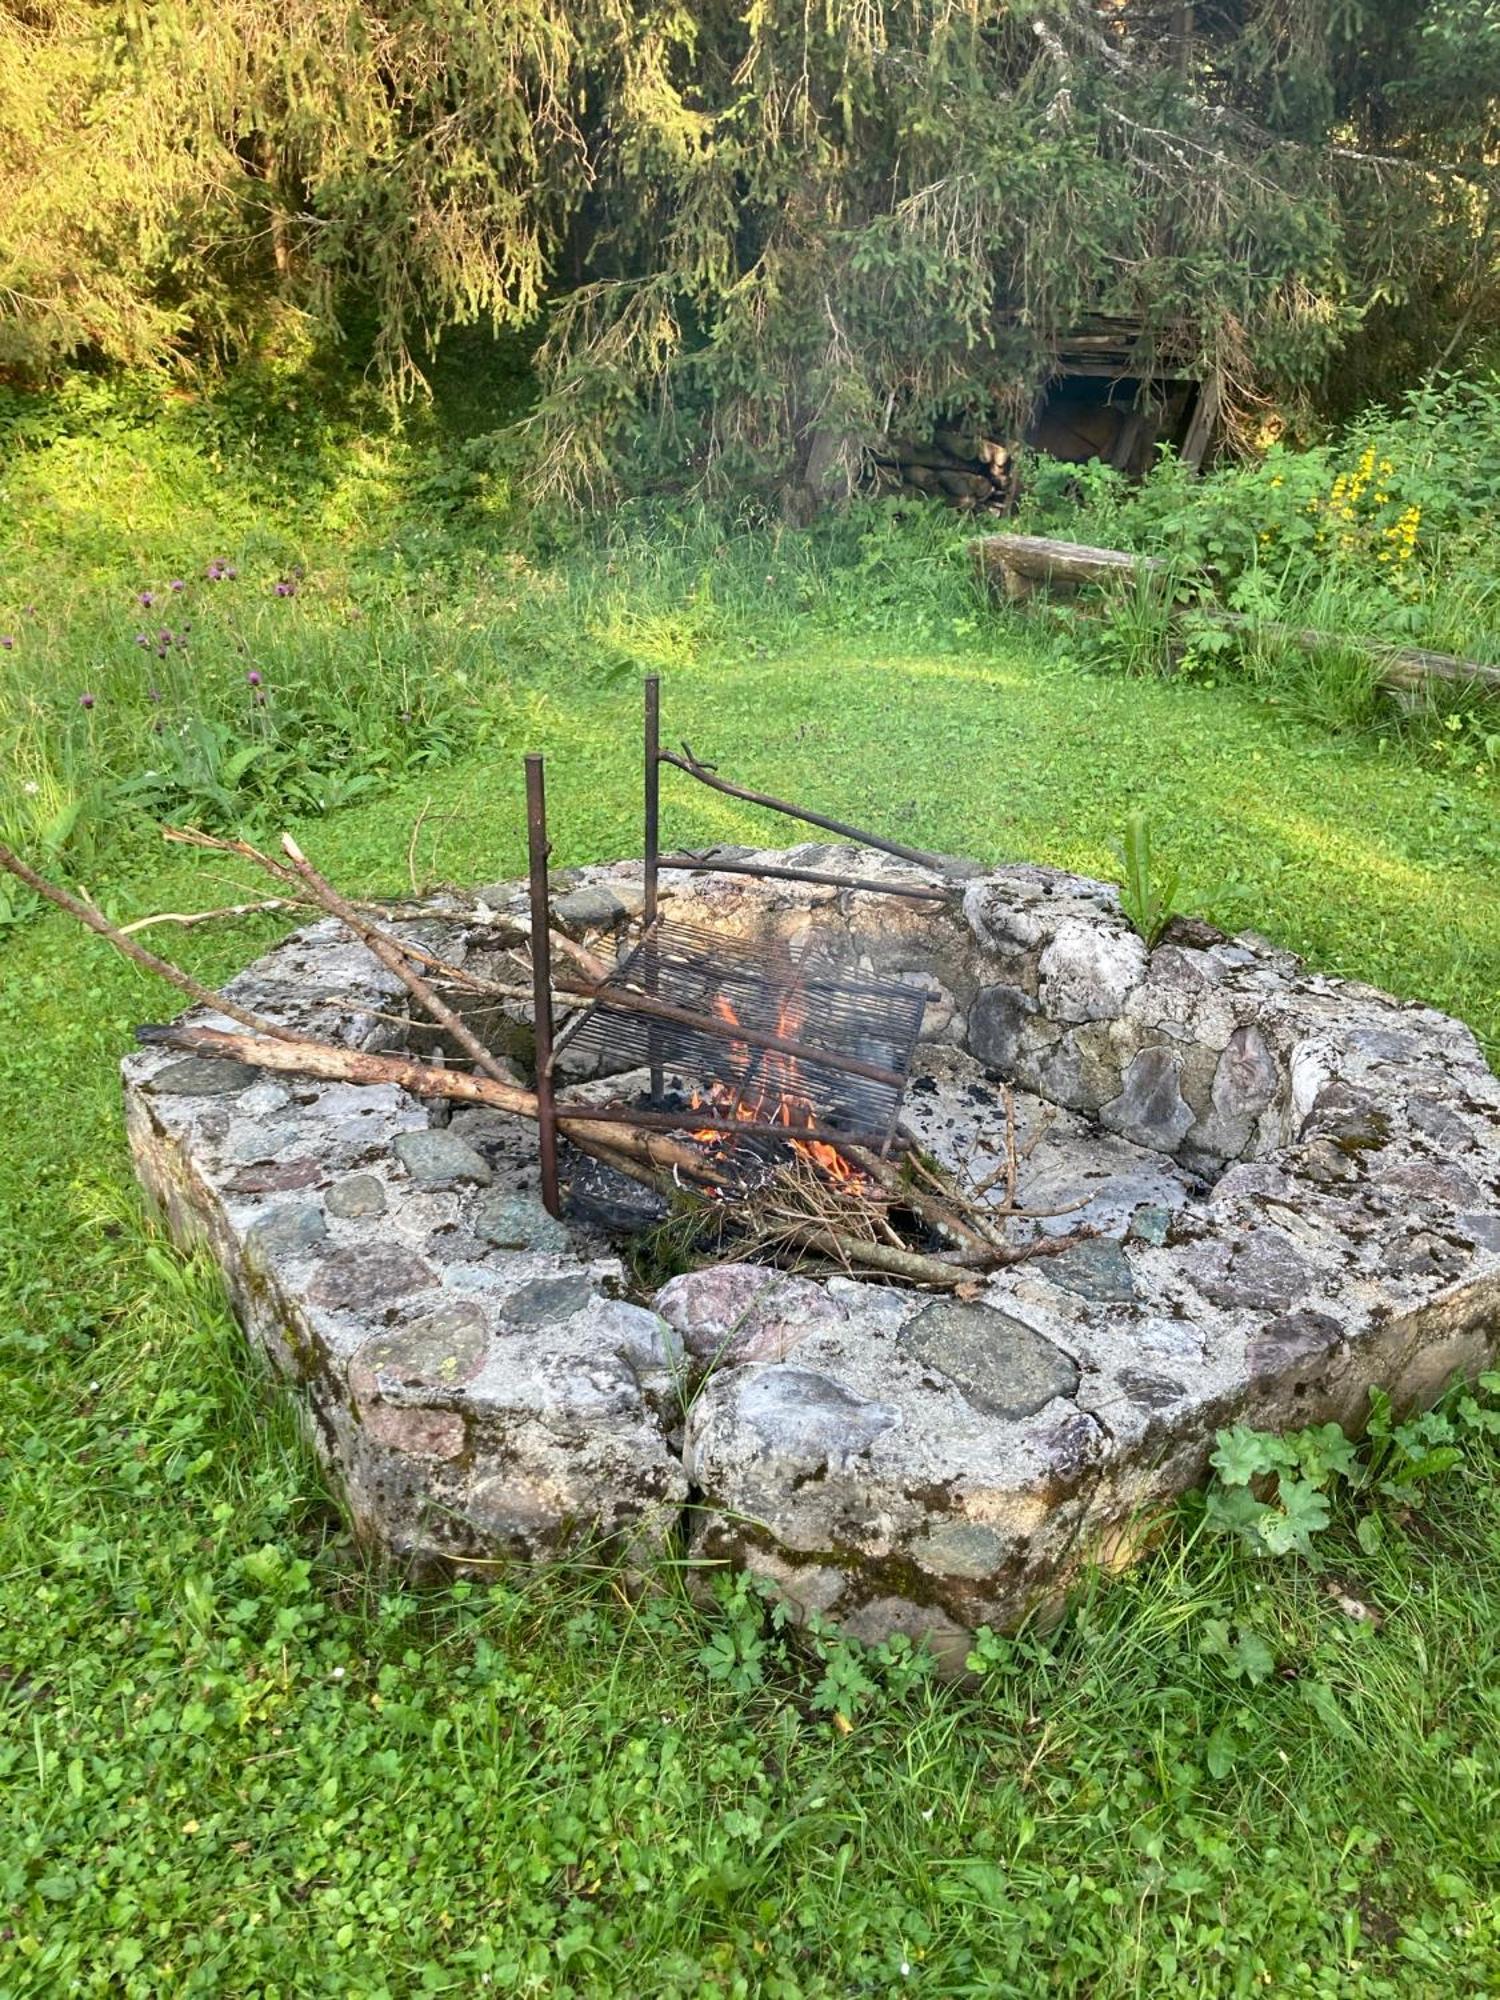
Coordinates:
(768, 1090)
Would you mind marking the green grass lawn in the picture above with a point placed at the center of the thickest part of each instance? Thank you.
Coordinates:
(234, 1762)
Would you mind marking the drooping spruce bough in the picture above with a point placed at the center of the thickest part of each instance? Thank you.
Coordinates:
(759, 238)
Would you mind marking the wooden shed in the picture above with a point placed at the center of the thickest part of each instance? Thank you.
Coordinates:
(1115, 392)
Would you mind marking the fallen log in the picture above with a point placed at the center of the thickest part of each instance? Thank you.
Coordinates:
(1014, 565)
(1403, 669)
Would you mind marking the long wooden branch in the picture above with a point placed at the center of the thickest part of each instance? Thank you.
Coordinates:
(127, 947)
(387, 952)
(330, 1063)
(513, 930)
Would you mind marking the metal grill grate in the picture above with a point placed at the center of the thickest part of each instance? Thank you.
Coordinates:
(790, 1038)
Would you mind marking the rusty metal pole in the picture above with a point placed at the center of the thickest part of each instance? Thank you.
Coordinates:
(653, 791)
(538, 850)
(653, 856)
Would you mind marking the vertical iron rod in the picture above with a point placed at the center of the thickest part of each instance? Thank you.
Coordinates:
(538, 850)
(653, 854)
(653, 791)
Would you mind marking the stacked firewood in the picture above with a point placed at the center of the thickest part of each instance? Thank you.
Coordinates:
(975, 473)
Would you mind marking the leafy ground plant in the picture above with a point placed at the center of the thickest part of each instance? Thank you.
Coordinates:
(1276, 1492)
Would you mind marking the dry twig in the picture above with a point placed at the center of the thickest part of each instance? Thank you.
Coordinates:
(95, 920)
(188, 918)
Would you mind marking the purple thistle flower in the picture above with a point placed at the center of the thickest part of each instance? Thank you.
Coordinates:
(145, 598)
(253, 678)
(85, 701)
(286, 588)
(164, 638)
(6, 641)
(177, 583)
(143, 638)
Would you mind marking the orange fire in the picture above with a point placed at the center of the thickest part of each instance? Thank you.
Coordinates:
(769, 1091)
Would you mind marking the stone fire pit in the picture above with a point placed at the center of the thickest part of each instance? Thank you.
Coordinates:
(1297, 1181)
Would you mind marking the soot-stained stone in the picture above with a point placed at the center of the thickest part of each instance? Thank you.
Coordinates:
(439, 1159)
(356, 1197)
(809, 1418)
(604, 1199)
(202, 1076)
(440, 1350)
(517, 1222)
(291, 1231)
(368, 1277)
(1099, 1271)
(996, 1019)
(1150, 1109)
(998, 1364)
(547, 1299)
